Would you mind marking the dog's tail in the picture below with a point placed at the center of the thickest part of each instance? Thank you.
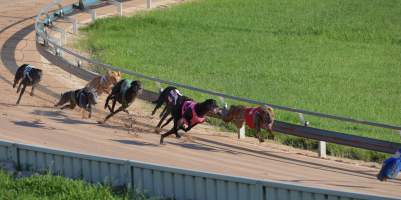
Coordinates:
(160, 98)
(156, 101)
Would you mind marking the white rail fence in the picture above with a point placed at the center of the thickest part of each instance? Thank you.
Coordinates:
(161, 181)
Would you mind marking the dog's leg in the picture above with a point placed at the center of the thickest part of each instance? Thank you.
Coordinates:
(33, 88)
(71, 105)
(113, 105)
(16, 80)
(20, 95)
(174, 130)
(156, 107)
(19, 86)
(258, 119)
(126, 111)
(90, 111)
(167, 122)
(66, 106)
(190, 127)
(157, 129)
(165, 115)
(113, 113)
(270, 136)
(164, 111)
(106, 104)
(83, 113)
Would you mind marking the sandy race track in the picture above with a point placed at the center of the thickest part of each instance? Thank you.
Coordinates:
(35, 121)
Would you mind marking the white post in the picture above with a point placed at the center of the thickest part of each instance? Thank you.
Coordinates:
(60, 52)
(45, 42)
(74, 25)
(119, 6)
(63, 38)
(322, 149)
(93, 15)
(159, 86)
(120, 9)
(301, 118)
(322, 144)
(149, 3)
(37, 37)
(79, 63)
(241, 132)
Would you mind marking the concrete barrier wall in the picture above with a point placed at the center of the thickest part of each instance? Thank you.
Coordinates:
(162, 181)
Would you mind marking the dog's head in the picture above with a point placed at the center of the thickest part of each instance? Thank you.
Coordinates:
(113, 76)
(211, 106)
(136, 87)
(268, 118)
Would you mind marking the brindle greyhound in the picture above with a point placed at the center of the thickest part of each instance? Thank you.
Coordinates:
(255, 118)
(85, 98)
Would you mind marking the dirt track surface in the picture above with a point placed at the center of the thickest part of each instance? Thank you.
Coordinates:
(35, 121)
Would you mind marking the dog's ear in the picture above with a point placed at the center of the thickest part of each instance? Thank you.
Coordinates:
(119, 73)
(110, 73)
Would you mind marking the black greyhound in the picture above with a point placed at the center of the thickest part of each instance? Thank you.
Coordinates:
(84, 98)
(124, 92)
(169, 96)
(189, 113)
(30, 77)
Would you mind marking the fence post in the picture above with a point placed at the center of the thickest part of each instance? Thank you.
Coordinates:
(322, 144)
(74, 25)
(241, 132)
(79, 63)
(120, 9)
(63, 38)
(149, 3)
(92, 13)
(58, 51)
(37, 37)
(45, 42)
(322, 149)
(158, 85)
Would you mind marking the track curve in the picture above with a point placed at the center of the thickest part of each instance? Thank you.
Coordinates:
(35, 121)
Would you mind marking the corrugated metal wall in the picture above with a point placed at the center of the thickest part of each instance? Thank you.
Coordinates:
(163, 181)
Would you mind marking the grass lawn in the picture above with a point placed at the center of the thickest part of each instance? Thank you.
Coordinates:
(332, 56)
(56, 187)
